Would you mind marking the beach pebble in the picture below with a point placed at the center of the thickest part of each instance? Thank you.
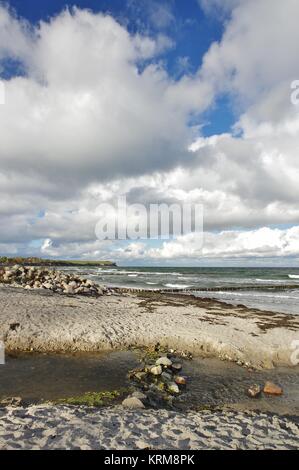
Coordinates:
(132, 403)
(254, 391)
(164, 361)
(166, 376)
(176, 366)
(173, 388)
(180, 380)
(141, 396)
(156, 370)
(271, 389)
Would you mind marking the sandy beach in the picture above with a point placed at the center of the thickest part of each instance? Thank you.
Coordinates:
(41, 321)
(46, 322)
(47, 427)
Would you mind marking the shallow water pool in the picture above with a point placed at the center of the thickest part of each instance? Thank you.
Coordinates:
(211, 382)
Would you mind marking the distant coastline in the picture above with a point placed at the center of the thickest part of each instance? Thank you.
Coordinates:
(33, 261)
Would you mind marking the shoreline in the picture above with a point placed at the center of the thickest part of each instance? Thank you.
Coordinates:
(41, 321)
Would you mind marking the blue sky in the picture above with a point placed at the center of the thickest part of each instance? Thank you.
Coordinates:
(164, 101)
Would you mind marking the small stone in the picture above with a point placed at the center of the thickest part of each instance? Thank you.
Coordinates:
(47, 285)
(173, 388)
(180, 380)
(164, 361)
(141, 396)
(156, 370)
(254, 391)
(140, 375)
(73, 284)
(176, 366)
(132, 403)
(166, 376)
(271, 389)
(69, 290)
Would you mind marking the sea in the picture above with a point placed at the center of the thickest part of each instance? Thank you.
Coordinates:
(272, 289)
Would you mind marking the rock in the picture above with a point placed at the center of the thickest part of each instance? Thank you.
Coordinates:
(254, 391)
(156, 370)
(176, 366)
(140, 375)
(173, 388)
(272, 389)
(69, 290)
(132, 403)
(166, 376)
(47, 285)
(73, 284)
(28, 278)
(141, 396)
(180, 380)
(164, 361)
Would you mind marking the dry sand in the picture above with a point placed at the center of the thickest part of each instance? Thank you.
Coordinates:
(47, 427)
(44, 322)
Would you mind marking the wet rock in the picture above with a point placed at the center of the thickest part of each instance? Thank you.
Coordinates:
(140, 375)
(164, 361)
(133, 403)
(176, 366)
(272, 389)
(156, 370)
(166, 376)
(173, 388)
(179, 380)
(254, 391)
(141, 396)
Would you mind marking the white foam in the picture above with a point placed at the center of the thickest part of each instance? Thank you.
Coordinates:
(177, 286)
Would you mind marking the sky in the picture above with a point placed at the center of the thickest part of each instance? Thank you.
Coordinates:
(167, 101)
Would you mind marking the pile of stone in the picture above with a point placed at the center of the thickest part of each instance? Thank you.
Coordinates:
(56, 281)
(157, 384)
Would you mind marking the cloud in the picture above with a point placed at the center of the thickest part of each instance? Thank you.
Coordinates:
(84, 111)
(262, 243)
(92, 112)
